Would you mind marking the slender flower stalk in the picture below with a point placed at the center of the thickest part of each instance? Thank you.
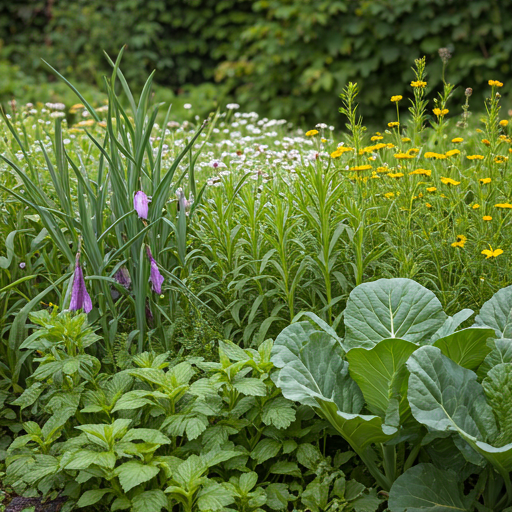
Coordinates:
(155, 277)
(140, 203)
(80, 299)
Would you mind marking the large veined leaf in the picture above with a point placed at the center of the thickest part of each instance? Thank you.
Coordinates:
(382, 375)
(497, 313)
(391, 308)
(312, 368)
(498, 389)
(467, 348)
(446, 397)
(451, 324)
(313, 373)
(424, 488)
(501, 353)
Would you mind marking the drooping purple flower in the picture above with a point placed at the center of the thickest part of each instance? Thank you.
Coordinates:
(155, 277)
(122, 276)
(140, 203)
(80, 299)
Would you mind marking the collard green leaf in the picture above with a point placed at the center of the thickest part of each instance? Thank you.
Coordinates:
(498, 389)
(391, 308)
(451, 324)
(446, 397)
(468, 347)
(424, 488)
(313, 373)
(381, 373)
(501, 353)
(312, 368)
(496, 313)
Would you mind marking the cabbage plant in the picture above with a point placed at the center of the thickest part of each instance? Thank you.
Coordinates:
(423, 402)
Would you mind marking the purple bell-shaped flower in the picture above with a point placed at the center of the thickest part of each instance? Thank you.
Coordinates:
(80, 299)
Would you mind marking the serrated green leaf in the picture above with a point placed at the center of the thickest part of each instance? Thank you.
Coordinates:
(278, 412)
(251, 387)
(149, 501)
(134, 473)
(265, 449)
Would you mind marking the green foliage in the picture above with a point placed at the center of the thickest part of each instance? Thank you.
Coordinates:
(282, 58)
(419, 394)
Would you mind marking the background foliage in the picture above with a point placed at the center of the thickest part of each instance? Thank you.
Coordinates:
(283, 58)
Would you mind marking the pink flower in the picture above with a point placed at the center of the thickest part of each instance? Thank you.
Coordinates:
(140, 203)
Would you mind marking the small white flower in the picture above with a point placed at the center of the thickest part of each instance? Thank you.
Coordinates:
(187, 106)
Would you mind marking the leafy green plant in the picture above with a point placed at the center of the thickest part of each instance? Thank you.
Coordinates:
(401, 380)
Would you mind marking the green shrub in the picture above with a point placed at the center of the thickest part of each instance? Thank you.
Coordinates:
(283, 58)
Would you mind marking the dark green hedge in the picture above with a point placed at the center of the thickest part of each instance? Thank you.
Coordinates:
(284, 58)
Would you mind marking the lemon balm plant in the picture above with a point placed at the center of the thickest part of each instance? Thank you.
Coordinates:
(114, 197)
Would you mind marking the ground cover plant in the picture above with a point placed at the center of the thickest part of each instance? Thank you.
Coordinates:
(232, 314)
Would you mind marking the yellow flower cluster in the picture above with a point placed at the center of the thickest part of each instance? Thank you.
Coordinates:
(437, 156)
(460, 241)
(395, 174)
(484, 181)
(457, 140)
(340, 151)
(504, 122)
(396, 98)
(361, 168)
(503, 205)
(311, 133)
(439, 113)
(452, 152)
(449, 181)
(431, 189)
(475, 157)
(393, 124)
(495, 83)
(418, 83)
(421, 172)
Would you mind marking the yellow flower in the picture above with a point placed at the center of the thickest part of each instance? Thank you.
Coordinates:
(376, 137)
(403, 156)
(396, 98)
(418, 83)
(323, 140)
(460, 241)
(431, 189)
(76, 106)
(382, 169)
(393, 124)
(475, 206)
(475, 157)
(395, 174)
(495, 83)
(428, 205)
(457, 140)
(489, 253)
(340, 151)
(486, 142)
(500, 159)
(484, 181)
(389, 195)
(361, 168)
(439, 113)
(311, 133)
(452, 152)
(421, 172)
(503, 205)
(406, 139)
(487, 217)
(504, 122)
(449, 181)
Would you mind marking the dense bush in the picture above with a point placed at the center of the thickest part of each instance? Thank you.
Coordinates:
(283, 58)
